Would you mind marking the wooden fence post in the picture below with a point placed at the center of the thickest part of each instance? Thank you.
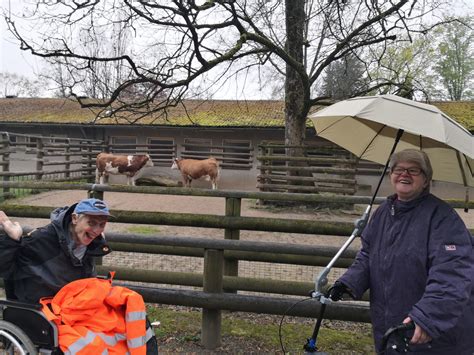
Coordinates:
(39, 159)
(232, 209)
(87, 157)
(5, 146)
(67, 165)
(95, 194)
(212, 283)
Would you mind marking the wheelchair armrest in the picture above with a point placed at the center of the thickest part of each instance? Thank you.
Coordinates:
(17, 304)
(31, 320)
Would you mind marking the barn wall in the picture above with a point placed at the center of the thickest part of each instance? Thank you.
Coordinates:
(230, 179)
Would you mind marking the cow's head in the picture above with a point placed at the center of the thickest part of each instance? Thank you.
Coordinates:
(175, 164)
(149, 162)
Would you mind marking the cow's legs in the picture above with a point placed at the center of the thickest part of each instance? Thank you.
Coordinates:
(130, 181)
(214, 184)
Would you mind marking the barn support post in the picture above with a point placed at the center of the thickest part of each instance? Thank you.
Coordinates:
(232, 209)
(212, 283)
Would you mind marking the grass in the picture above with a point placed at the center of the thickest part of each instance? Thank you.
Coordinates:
(262, 331)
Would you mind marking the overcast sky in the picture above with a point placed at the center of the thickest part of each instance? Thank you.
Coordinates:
(12, 59)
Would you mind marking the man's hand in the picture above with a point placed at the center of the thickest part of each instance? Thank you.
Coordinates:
(419, 336)
(338, 290)
(13, 229)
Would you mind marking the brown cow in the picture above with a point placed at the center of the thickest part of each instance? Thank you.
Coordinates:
(129, 165)
(194, 169)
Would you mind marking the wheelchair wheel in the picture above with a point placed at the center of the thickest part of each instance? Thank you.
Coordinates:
(14, 341)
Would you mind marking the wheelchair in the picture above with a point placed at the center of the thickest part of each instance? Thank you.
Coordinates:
(24, 329)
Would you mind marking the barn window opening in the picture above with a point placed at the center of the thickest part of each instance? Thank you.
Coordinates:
(237, 154)
(124, 145)
(195, 148)
(162, 150)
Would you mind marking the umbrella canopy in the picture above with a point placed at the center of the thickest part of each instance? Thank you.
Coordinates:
(367, 127)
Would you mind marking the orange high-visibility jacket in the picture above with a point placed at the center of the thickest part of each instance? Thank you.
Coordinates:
(94, 317)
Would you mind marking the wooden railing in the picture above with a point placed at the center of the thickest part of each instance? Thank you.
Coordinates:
(219, 278)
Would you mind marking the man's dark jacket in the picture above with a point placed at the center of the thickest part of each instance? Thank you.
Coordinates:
(42, 262)
(417, 259)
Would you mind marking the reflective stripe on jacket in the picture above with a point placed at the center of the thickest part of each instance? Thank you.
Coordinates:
(94, 317)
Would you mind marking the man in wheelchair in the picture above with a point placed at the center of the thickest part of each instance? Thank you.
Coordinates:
(40, 264)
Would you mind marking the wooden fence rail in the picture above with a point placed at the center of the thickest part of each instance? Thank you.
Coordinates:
(220, 284)
(320, 169)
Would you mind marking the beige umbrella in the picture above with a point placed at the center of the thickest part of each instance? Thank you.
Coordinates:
(367, 127)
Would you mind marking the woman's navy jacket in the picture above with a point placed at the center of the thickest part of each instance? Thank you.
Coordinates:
(417, 260)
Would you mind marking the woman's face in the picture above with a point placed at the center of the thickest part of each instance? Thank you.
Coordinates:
(85, 228)
(408, 180)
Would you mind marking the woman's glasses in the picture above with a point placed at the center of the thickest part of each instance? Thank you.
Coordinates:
(410, 171)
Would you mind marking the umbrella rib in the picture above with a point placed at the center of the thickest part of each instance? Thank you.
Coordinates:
(458, 155)
(332, 124)
(371, 141)
(469, 166)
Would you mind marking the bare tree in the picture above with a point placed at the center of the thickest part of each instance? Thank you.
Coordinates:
(15, 85)
(177, 43)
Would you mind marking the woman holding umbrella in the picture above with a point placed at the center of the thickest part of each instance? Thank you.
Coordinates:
(417, 260)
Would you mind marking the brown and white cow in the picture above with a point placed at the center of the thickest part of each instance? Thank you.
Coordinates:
(194, 169)
(129, 165)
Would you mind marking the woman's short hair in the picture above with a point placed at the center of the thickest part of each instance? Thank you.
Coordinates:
(413, 156)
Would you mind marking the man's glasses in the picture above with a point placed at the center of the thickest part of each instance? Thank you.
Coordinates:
(410, 171)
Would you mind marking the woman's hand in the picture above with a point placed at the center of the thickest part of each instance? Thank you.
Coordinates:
(13, 229)
(419, 336)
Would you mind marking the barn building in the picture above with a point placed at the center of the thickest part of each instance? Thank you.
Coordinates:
(233, 131)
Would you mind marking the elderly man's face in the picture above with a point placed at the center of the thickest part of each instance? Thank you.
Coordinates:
(408, 180)
(85, 228)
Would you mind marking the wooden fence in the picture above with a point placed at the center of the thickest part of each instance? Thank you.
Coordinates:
(220, 283)
(320, 169)
(32, 157)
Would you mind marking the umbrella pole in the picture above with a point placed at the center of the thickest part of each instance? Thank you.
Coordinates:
(322, 280)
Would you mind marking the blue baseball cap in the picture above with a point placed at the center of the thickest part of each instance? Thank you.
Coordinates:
(92, 206)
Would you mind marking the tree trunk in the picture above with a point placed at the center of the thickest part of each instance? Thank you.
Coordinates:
(295, 123)
(295, 110)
